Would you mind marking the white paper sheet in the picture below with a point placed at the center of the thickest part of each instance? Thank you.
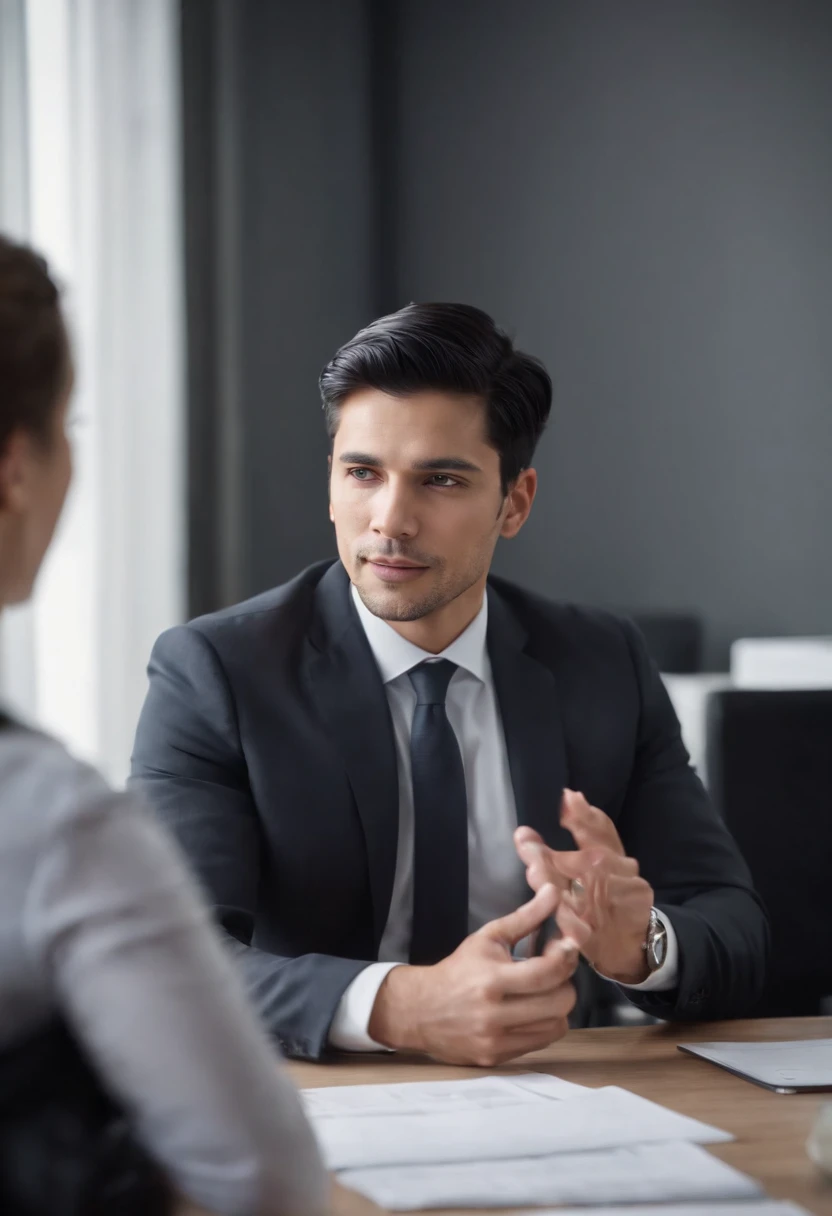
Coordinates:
(760, 1207)
(801, 1063)
(597, 1119)
(641, 1174)
(437, 1097)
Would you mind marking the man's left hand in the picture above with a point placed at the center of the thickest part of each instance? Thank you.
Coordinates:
(601, 884)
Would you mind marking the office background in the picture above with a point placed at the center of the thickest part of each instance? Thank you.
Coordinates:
(639, 191)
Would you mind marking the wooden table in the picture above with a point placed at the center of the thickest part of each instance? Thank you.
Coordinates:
(771, 1129)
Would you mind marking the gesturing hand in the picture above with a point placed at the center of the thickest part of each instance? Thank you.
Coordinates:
(599, 883)
(478, 1005)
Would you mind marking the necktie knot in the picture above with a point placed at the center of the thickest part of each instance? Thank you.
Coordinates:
(430, 681)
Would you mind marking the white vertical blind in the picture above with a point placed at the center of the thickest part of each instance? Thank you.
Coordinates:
(66, 616)
(104, 206)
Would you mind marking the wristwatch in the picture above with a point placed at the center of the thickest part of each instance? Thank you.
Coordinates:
(655, 944)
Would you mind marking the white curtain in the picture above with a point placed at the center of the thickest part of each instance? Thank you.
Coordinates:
(98, 151)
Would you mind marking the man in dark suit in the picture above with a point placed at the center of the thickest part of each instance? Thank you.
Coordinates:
(369, 766)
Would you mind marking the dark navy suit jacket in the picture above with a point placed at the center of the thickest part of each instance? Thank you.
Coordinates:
(266, 746)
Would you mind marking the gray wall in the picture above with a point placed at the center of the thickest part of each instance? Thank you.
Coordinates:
(642, 192)
(306, 252)
(281, 269)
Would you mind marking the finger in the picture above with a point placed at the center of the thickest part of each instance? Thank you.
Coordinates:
(571, 925)
(546, 973)
(589, 893)
(621, 904)
(550, 865)
(560, 869)
(511, 1046)
(588, 896)
(541, 868)
(511, 929)
(536, 1038)
(616, 867)
(602, 888)
(525, 835)
(560, 1009)
(582, 863)
(588, 824)
(529, 845)
(574, 863)
(519, 1011)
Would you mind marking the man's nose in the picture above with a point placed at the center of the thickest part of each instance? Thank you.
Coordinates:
(393, 512)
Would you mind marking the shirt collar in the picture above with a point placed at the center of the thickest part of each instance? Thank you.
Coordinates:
(395, 655)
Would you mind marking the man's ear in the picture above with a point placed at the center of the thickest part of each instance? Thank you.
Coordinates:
(518, 503)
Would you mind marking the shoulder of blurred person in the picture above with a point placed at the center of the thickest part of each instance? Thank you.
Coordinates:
(43, 792)
(41, 785)
(101, 924)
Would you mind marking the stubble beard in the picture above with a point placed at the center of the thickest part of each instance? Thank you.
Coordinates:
(392, 606)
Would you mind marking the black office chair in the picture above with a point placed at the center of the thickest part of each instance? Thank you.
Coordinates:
(769, 763)
(673, 639)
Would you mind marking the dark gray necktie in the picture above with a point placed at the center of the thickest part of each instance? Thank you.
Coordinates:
(440, 843)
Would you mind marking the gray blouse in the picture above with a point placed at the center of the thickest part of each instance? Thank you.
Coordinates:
(98, 919)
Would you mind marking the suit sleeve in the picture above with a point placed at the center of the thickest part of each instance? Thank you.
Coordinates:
(189, 763)
(688, 856)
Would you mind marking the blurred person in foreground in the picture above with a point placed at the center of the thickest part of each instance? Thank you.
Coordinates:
(100, 926)
(370, 766)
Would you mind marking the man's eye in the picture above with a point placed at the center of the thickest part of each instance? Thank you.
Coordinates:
(361, 474)
(442, 480)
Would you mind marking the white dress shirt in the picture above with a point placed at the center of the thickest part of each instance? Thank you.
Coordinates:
(496, 876)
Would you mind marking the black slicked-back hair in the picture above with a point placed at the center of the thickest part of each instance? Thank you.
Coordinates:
(451, 348)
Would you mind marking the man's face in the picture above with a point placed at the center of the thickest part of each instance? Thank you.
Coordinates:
(416, 499)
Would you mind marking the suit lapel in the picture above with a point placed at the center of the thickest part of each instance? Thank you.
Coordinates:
(528, 699)
(350, 697)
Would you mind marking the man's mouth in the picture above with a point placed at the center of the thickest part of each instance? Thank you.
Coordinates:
(394, 569)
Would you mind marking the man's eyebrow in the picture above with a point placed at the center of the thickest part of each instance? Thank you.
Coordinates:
(455, 464)
(361, 458)
(440, 464)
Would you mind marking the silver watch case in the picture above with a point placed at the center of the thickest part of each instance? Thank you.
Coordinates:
(655, 945)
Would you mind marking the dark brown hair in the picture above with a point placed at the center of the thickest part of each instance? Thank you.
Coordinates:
(33, 345)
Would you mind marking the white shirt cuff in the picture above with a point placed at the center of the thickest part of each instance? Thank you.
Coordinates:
(667, 976)
(350, 1026)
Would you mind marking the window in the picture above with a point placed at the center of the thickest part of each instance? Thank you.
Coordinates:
(89, 140)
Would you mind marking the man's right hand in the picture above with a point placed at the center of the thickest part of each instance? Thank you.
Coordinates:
(478, 1006)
